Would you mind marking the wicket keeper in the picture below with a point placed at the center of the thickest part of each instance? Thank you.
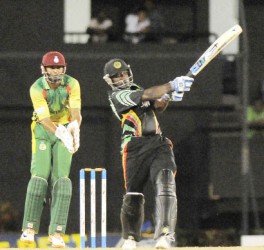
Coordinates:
(56, 99)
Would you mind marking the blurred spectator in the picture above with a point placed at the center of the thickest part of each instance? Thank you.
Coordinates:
(8, 217)
(255, 118)
(156, 28)
(100, 28)
(136, 26)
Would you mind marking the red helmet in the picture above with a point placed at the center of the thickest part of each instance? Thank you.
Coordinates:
(53, 58)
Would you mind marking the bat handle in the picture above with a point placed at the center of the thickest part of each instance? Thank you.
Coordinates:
(190, 74)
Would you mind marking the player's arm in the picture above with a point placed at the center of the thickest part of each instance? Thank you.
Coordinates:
(49, 125)
(59, 131)
(75, 102)
(76, 118)
(178, 86)
(41, 108)
(156, 92)
(162, 103)
(76, 115)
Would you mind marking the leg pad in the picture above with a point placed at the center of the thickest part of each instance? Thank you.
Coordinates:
(166, 203)
(132, 215)
(61, 199)
(36, 193)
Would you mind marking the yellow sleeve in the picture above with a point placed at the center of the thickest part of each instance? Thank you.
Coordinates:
(39, 103)
(75, 96)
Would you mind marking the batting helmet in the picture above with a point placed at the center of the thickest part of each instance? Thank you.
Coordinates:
(114, 67)
(53, 58)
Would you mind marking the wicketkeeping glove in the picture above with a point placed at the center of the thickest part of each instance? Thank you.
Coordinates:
(63, 134)
(74, 130)
(181, 84)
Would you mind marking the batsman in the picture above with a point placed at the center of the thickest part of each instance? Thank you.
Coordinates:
(55, 128)
(146, 153)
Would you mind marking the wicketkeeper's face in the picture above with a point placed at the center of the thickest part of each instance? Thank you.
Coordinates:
(54, 73)
(55, 70)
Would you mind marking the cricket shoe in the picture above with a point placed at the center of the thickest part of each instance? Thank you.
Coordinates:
(164, 241)
(56, 241)
(129, 243)
(28, 236)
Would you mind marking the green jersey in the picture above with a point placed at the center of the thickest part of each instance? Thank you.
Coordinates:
(55, 103)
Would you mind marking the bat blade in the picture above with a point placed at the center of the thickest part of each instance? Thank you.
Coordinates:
(216, 47)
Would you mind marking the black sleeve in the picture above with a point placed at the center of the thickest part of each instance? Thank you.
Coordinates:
(125, 99)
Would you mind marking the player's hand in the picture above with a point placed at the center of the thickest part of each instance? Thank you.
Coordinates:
(176, 96)
(188, 82)
(165, 98)
(63, 134)
(74, 130)
(181, 84)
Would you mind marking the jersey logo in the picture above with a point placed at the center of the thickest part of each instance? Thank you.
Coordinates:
(117, 65)
(56, 59)
(42, 146)
(124, 98)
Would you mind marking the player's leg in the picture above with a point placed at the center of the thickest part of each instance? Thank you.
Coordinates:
(163, 178)
(61, 198)
(165, 208)
(37, 186)
(132, 215)
(61, 194)
(36, 192)
(132, 212)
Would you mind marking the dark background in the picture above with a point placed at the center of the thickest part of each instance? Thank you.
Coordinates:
(204, 126)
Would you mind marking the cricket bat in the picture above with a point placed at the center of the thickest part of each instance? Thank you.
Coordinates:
(216, 47)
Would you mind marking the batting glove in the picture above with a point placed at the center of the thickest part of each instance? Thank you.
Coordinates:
(188, 82)
(181, 84)
(176, 96)
(63, 134)
(74, 130)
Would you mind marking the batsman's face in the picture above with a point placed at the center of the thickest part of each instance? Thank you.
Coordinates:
(120, 77)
